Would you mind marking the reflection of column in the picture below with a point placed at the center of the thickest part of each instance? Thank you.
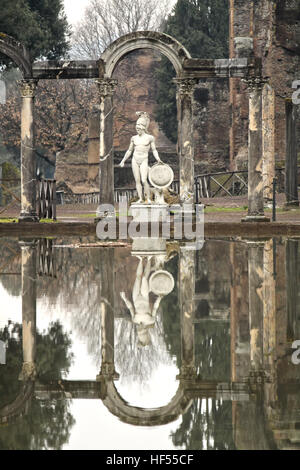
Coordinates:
(269, 312)
(291, 173)
(107, 314)
(269, 330)
(256, 305)
(28, 309)
(292, 288)
(28, 161)
(185, 91)
(187, 308)
(106, 88)
(255, 154)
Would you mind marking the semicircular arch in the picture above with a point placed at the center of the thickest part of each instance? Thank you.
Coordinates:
(16, 52)
(161, 42)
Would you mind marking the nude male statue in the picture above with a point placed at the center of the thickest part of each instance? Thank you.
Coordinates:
(141, 313)
(140, 145)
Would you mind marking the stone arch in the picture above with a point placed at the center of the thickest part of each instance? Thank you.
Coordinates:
(146, 417)
(17, 52)
(161, 42)
(19, 406)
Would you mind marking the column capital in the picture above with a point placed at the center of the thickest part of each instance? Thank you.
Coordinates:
(106, 86)
(28, 372)
(107, 372)
(255, 83)
(185, 85)
(27, 87)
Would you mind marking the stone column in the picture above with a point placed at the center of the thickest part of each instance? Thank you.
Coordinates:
(269, 301)
(291, 172)
(93, 145)
(28, 160)
(106, 88)
(28, 309)
(255, 154)
(256, 306)
(107, 315)
(185, 92)
(292, 288)
(187, 309)
(268, 138)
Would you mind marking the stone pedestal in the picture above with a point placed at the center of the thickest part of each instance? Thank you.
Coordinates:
(28, 160)
(149, 246)
(149, 212)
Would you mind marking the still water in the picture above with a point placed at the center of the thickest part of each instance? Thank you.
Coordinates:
(105, 348)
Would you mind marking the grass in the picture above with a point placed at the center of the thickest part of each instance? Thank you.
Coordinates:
(48, 221)
(8, 220)
(225, 209)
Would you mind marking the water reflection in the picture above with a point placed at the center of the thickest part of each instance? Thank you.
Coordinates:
(227, 315)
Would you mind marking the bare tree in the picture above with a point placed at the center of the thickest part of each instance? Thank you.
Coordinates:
(106, 20)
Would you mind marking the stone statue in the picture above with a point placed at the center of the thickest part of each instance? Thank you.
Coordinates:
(141, 313)
(140, 145)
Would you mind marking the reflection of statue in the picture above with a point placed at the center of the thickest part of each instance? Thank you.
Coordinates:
(140, 145)
(140, 311)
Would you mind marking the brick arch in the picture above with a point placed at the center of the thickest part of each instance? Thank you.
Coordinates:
(163, 43)
(16, 52)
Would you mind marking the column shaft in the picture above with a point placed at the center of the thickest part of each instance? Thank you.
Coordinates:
(268, 137)
(291, 172)
(256, 307)
(187, 309)
(185, 90)
(28, 309)
(28, 158)
(255, 155)
(106, 157)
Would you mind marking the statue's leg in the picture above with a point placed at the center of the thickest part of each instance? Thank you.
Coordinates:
(145, 279)
(137, 177)
(144, 174)
(138, 281)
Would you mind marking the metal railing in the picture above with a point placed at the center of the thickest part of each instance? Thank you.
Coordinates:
(46, 199)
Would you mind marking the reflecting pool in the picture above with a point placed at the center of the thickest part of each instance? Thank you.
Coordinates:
(161, 348)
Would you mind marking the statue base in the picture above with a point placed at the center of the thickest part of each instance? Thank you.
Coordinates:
(149, 212)
(148, 246)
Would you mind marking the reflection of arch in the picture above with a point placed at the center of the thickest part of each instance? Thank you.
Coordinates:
(163, 43)
(17, 52)
(19, 406)
(146, 417)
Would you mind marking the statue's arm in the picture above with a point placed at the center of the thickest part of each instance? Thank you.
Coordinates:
(128, 304)
(154, 151)
(156, 305)
(128, 153)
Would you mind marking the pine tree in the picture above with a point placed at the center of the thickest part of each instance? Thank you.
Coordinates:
(41, 25)
(202, 27)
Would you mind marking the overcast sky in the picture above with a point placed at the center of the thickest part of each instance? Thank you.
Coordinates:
(75, 9)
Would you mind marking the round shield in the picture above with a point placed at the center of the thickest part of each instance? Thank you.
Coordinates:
(161, 175)
(161, 282)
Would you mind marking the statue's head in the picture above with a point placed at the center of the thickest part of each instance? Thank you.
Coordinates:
(143, 122)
